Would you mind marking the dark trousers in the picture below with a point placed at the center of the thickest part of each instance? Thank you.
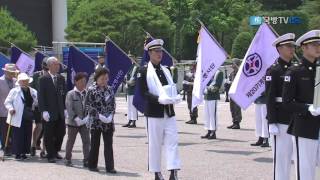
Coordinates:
(3, 133)
(193, 113)
(21, 137)
(54, 132)
(85, 137)
(235, 112)
(108, 149)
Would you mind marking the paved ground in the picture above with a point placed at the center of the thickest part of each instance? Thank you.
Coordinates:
(228, 157)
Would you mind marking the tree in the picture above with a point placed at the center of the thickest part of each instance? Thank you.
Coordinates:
(241, 44)
(280, 4)
(312, 9)
(123, 21)
(11, 30)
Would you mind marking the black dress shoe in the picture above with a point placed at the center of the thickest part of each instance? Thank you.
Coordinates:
(230, 127)
(212, 135)
(192, 121)
(68, 163)
(58, 156)
(128, 124)
(206, 136)
(265, 143)
(173, 175)
(94, 169)
(23, 156)
(43, 154)
(33, 151)
(51, 160)
(236, 126)
(258, 143)
(18, 157)
(133, 125)
(158, 176)
(112, 171)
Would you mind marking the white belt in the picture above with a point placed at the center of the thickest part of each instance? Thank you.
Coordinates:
(278, 99)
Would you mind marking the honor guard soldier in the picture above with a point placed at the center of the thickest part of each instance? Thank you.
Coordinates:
(211, 97)
(298, 96)
(132, 114)
(160, 91)
(234, 108)
(277, 115)
(188, 84)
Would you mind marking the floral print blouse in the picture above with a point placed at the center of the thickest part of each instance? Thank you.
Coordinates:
(100, 101)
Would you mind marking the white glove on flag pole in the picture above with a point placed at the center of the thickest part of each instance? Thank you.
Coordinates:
(249, 82)
(210, 56)
(25, 64)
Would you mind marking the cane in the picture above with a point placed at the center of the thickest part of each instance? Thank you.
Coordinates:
(7, 138)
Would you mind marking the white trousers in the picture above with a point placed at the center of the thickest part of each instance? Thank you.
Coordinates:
(261, 121)
(282, 148)
(162, 133)
(132, 111)
(306, 151)
(210, 115)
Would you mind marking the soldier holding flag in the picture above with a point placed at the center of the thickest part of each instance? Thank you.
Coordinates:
(278, 117)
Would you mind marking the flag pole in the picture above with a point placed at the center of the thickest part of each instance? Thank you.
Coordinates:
(217, 42)
(95, 63)
(109, 39)
(276, 33)
(20, 49)
(174, 59)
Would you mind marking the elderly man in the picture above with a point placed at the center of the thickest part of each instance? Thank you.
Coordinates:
(7, 82)
(160, 92)
(52, 93)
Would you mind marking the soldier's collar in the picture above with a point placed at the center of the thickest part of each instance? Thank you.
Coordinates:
(284, 63)
(308, 64)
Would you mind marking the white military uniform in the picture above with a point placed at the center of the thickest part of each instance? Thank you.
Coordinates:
(261, 121)
(132, 110)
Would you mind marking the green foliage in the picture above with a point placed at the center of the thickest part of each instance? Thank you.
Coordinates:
(15, 32)
(240, 44)
(280, 4)
(122, 21)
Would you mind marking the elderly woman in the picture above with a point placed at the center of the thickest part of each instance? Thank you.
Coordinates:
(20, 103)
(100, 107)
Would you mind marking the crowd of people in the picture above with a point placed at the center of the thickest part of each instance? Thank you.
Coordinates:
(284, 112)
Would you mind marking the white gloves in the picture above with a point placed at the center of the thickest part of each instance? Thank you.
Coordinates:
(105, 119)
(46, 116)
(314, 111)
(273, 129)
(80, 121)
(165, 100)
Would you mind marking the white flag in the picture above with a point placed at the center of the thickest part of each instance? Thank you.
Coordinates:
(25, 64)
(210, 56)
(249, 82)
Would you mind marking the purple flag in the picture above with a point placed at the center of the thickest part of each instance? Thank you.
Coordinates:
(118, 63)
(249, 82)
(38, 61)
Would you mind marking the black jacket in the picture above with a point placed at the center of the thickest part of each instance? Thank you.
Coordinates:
(276, 112)
(152, 106)
(298, 92)
(52, 99)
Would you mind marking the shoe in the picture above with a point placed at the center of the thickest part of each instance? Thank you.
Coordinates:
(23, 156)
(236, 126)
(94, 169)
(51, 160)
(18, 157)
(85, 164)
(43, 154)
(33, 151)
(258, 143)
(133, 124)
(206, 136)
(68, 163)
(173, 175)
(128, 124)
(192, 121)
(158, 176)
(112, 171)
(58, 156)
(227, 100)
(212, 135)
(230, 127)
(265, 143)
